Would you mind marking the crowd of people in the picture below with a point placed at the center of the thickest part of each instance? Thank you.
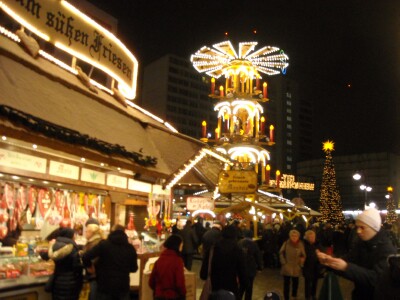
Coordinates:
(103, 263)
(363, 251)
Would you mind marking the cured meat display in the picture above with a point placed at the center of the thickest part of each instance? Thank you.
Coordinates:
(9, 195)
(38, 205)
(32, 199)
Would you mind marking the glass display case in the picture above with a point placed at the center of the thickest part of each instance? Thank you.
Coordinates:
(23, 270)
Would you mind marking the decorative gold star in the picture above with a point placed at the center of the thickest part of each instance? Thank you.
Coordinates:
(328, 146)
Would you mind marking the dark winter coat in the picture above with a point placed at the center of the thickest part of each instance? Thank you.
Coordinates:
(366, 264)
(227, 266)
(210, 238)
(312, 268)
(68, 276)
(167, 278)
(116, 259)
(389, 284)
(189, 238)
(252, 256)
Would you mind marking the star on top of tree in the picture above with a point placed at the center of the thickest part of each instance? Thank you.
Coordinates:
(328, 146)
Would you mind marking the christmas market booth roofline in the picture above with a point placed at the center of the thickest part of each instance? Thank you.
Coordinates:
(45, 105)
(265, 201)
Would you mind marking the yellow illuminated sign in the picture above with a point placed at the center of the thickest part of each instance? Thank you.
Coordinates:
(61, 24)
(237, 181)
(288, 182)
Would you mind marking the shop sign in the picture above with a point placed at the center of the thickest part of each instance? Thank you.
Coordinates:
(22, 161)
(117, 181)
(63, 170)
(288, 182)
(64, 26)
(140, 186)
(93, 176)
(196, 203)
(233, 181)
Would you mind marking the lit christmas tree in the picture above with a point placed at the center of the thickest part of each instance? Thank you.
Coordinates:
(391, 217)
(330, 201)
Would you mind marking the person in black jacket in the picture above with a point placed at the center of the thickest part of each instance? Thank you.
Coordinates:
(388, 286)
(67, 279)
(211, 237)
(366, 262)
(116, 259)
(312, 268)
(228, 269)
(190, 242)
(253, 262)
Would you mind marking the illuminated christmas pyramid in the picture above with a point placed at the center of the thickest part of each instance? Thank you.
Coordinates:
(241, 131)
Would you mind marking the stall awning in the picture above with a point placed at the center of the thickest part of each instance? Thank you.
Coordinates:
(34, 90)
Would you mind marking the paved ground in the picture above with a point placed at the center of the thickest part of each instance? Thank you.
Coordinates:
(271, 280)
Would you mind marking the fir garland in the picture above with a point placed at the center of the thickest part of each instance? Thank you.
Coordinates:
(70, 136)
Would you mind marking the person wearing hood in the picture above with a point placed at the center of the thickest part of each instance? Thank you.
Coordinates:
(367, 260)
(67, 280)
(167, 279)
(116, 259)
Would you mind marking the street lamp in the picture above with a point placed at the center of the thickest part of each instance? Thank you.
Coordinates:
(357, 176)
(366, 190)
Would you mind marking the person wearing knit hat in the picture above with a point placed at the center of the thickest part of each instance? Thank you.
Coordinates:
(367, 260)
(371, 218)
(167, 278)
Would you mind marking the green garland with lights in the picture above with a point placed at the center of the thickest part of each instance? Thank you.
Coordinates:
(70, 136)
(330, 200)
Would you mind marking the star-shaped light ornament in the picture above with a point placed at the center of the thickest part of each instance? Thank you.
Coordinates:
(328, 146)
(223, 60)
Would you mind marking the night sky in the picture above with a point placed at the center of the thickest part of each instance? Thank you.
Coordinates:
(345, 54)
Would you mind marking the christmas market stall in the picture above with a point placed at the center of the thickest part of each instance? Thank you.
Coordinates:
(73, 143)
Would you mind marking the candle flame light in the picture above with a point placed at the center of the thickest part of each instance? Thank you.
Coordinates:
(204, 129)
(278, 177)
(267, 174)
(265, 91)
(271, 133)
(262, 125)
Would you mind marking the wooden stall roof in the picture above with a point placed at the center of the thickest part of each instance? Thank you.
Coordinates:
(34, 90)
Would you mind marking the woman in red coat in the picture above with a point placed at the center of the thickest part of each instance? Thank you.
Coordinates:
(167, 278)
